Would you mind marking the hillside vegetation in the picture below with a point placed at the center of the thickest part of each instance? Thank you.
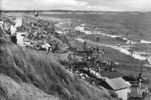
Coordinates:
(27, 74)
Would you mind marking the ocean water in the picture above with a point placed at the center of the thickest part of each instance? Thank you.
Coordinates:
(127, 30)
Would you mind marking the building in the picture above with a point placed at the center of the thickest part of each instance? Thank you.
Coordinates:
(20, 38)
(18, 22)
(118, 86)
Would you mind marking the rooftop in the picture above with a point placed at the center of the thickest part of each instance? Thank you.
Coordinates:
(117, 83)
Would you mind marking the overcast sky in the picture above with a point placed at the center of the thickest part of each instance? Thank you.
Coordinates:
(103, 5)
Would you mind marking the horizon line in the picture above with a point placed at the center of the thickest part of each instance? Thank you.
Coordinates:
(64, 10)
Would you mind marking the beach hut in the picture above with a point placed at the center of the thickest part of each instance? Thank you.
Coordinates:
(118, 86)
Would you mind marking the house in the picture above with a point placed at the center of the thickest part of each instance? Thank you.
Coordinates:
(118, 86)
(20, 38)
(18, 22)
(1, 24)
(13, 30)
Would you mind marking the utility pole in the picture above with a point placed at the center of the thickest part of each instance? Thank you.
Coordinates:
(132, 51)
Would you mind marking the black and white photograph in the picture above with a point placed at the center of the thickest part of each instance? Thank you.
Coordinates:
(75, 49)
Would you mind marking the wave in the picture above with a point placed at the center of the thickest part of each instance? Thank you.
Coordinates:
(145, 42)
(117, 37)
(121, 49)
(82, 28)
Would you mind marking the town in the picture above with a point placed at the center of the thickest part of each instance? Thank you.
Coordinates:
(87, 62)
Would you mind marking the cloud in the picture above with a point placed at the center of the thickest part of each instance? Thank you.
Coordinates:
(61, 4)
(123, 5)
(43, 4)
(106, 5)
(17, 4)
(141, 5)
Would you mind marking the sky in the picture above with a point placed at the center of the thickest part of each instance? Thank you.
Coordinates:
(96, 5)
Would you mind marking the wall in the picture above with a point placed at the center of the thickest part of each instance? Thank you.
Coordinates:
(123, 94)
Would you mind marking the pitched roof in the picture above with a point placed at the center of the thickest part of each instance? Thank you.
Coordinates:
(117, 83)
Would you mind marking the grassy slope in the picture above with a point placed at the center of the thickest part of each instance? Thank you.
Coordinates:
(24, 66)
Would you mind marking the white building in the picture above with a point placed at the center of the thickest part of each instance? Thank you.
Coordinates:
(13, 30)
(18, 22)
(119, 86)
(20, 38)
